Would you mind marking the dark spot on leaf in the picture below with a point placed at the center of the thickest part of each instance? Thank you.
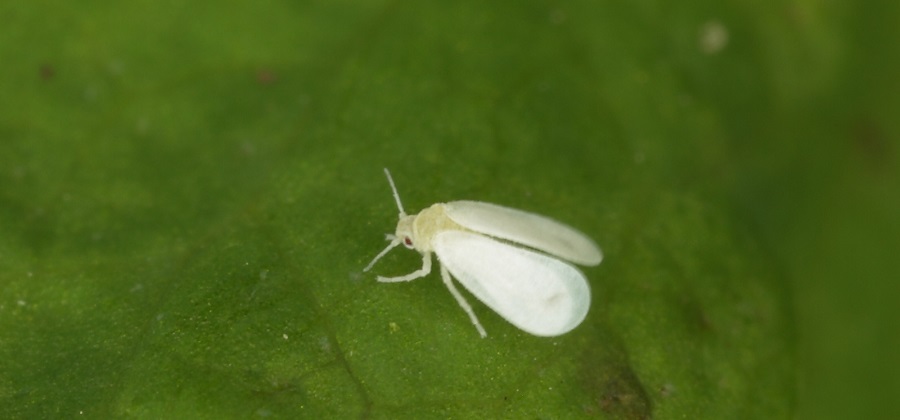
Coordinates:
(46, 71)
(622, 396)
(870, 142)
(696, 315)
(612, 385)
(667, 390)
(266, 77)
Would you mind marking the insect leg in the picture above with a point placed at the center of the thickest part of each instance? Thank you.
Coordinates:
(461, 301)
(422, 272)
(394, 242)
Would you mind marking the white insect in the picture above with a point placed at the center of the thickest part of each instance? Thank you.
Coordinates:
(486, 247)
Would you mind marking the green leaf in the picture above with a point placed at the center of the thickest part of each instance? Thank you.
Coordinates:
(189, 193)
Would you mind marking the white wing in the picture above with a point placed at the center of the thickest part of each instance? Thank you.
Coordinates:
(539, 294)
(529, 229)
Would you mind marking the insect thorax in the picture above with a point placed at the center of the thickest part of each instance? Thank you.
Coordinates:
(428, 223)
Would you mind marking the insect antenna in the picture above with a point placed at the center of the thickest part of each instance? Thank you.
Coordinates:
(394, 189)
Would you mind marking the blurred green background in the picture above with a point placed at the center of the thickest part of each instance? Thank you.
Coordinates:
(189, 190)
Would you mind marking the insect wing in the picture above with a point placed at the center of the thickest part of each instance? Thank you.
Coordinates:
(537, 293)
(528, 229)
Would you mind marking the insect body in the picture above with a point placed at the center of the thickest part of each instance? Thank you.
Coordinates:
(509, 259)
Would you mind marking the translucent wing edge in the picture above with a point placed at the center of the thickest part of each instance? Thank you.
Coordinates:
(529, 229)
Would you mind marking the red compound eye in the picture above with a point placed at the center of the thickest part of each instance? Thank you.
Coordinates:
(407, 241)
